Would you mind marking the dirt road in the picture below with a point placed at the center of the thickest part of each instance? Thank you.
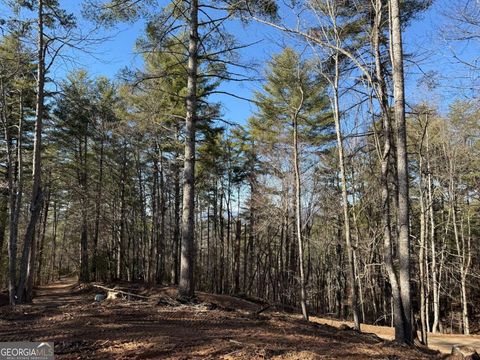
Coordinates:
(440, 342)
(221, 327)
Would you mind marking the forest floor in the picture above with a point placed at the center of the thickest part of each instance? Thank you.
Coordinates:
(218, 327)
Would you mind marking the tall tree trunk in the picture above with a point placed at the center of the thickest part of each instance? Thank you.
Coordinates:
(42, 237)
(403, 209)
(434, 277)
(463, 252)
(54, 241)
(249, 259)
(3, 218)
(15, 192)
(238, 239)
(298, 209)
(154, 232)
(84, 273)
(228, 246)
(176, 229)
(186, 283)
(345, 206)
(161, 208)
(31, 269)
(467, 256)
(221, 274)
(84, 268)
(98, 203)
(381, 92)
(397, 318)
(422, 251)
(36, 195)
(121, 252)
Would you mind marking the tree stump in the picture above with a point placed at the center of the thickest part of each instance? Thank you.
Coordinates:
(112, 294)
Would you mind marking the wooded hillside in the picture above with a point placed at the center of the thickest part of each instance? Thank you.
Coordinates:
(341, 195)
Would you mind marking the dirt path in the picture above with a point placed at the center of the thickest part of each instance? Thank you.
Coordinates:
(57, 294)
(119, 329)
(440, 342)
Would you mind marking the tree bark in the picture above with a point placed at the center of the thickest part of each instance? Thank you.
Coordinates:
(186, 283)
(176, 229)
(403, 215)
(36, 195)
(42, 237)
(3, 218)
(15, 192)
(434, 277)
(54, 241)
(381, 92)
(238, 239)
(121, 251)
(160, 245)
(345, 205)
(298, 206)
(463, 252)
(84, 268)
(422, 251)
(98, 204)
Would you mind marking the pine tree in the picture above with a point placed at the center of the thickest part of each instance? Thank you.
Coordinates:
(293, 112)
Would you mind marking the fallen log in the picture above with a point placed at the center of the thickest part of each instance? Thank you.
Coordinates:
(265, 308)
(114, 293)
(276, 306)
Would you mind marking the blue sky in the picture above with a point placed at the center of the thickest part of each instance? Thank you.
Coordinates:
(422, 38)
(118, 52)
(426, 37)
